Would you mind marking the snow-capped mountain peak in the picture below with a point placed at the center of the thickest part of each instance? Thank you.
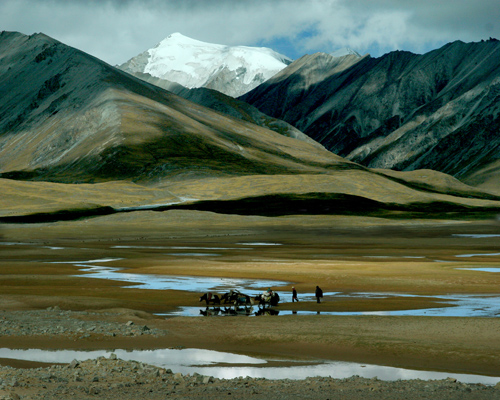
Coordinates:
(233, 70)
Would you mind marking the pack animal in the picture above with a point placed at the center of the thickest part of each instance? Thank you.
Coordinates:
(270, 300)
(210, 299)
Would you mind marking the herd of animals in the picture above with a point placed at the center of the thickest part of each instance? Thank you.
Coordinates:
(239, 303)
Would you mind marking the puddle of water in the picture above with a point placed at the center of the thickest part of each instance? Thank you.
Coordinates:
(260, 244)
(179, 248)
(194, 254)
(155, 206)
(189, 361)
(197, 284)
(481, 269)
(205, 248)
(479, 255)
(477, 236)
(101, 260)
(141, 247)
(463, 306)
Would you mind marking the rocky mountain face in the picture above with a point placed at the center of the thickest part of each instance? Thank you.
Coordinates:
(69, 117)
(193, 64)
(403, 111)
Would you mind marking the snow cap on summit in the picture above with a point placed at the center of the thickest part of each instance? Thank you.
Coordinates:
(193, 63)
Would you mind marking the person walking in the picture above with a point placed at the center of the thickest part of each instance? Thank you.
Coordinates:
(294, 295)
(319, 294)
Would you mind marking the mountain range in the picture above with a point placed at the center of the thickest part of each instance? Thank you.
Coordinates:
(79, 134)
(402, 111)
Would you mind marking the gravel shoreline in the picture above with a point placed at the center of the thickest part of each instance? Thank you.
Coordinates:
(112, 378)
(78, 325)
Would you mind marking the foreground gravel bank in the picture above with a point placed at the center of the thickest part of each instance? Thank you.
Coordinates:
(112, 378)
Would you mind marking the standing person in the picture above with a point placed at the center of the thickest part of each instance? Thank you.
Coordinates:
(319, 294)
(294, 295)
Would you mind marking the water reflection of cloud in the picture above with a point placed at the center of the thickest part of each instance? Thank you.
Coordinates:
(160, 357)
(189, 361)
(477, 235)
(168, 282)
(260, 244)
(492, 269)
(341, 370)
(478, 255)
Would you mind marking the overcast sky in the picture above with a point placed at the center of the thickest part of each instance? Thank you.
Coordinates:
(117, 30)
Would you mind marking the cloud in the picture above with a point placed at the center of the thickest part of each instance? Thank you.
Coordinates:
(116, 30)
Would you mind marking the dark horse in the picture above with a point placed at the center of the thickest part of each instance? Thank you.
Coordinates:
(243, 299)
(209, 298)
(272, 300)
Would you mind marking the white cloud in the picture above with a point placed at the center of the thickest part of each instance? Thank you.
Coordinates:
(116, 30)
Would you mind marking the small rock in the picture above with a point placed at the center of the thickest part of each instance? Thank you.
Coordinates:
(178, 376)
(130, 323)
(94, 390)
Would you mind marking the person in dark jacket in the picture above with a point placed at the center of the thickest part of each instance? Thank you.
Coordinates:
(294, 295)
(319, 294)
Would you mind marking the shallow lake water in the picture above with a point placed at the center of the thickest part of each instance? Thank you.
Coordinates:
(462, 305)
(227, 365)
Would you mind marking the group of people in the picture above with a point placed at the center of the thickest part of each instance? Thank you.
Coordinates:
(318, 293)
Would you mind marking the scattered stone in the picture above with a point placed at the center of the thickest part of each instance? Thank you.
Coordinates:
(178, 377)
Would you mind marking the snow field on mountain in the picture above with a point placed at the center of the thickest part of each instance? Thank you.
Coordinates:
(193, 62)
